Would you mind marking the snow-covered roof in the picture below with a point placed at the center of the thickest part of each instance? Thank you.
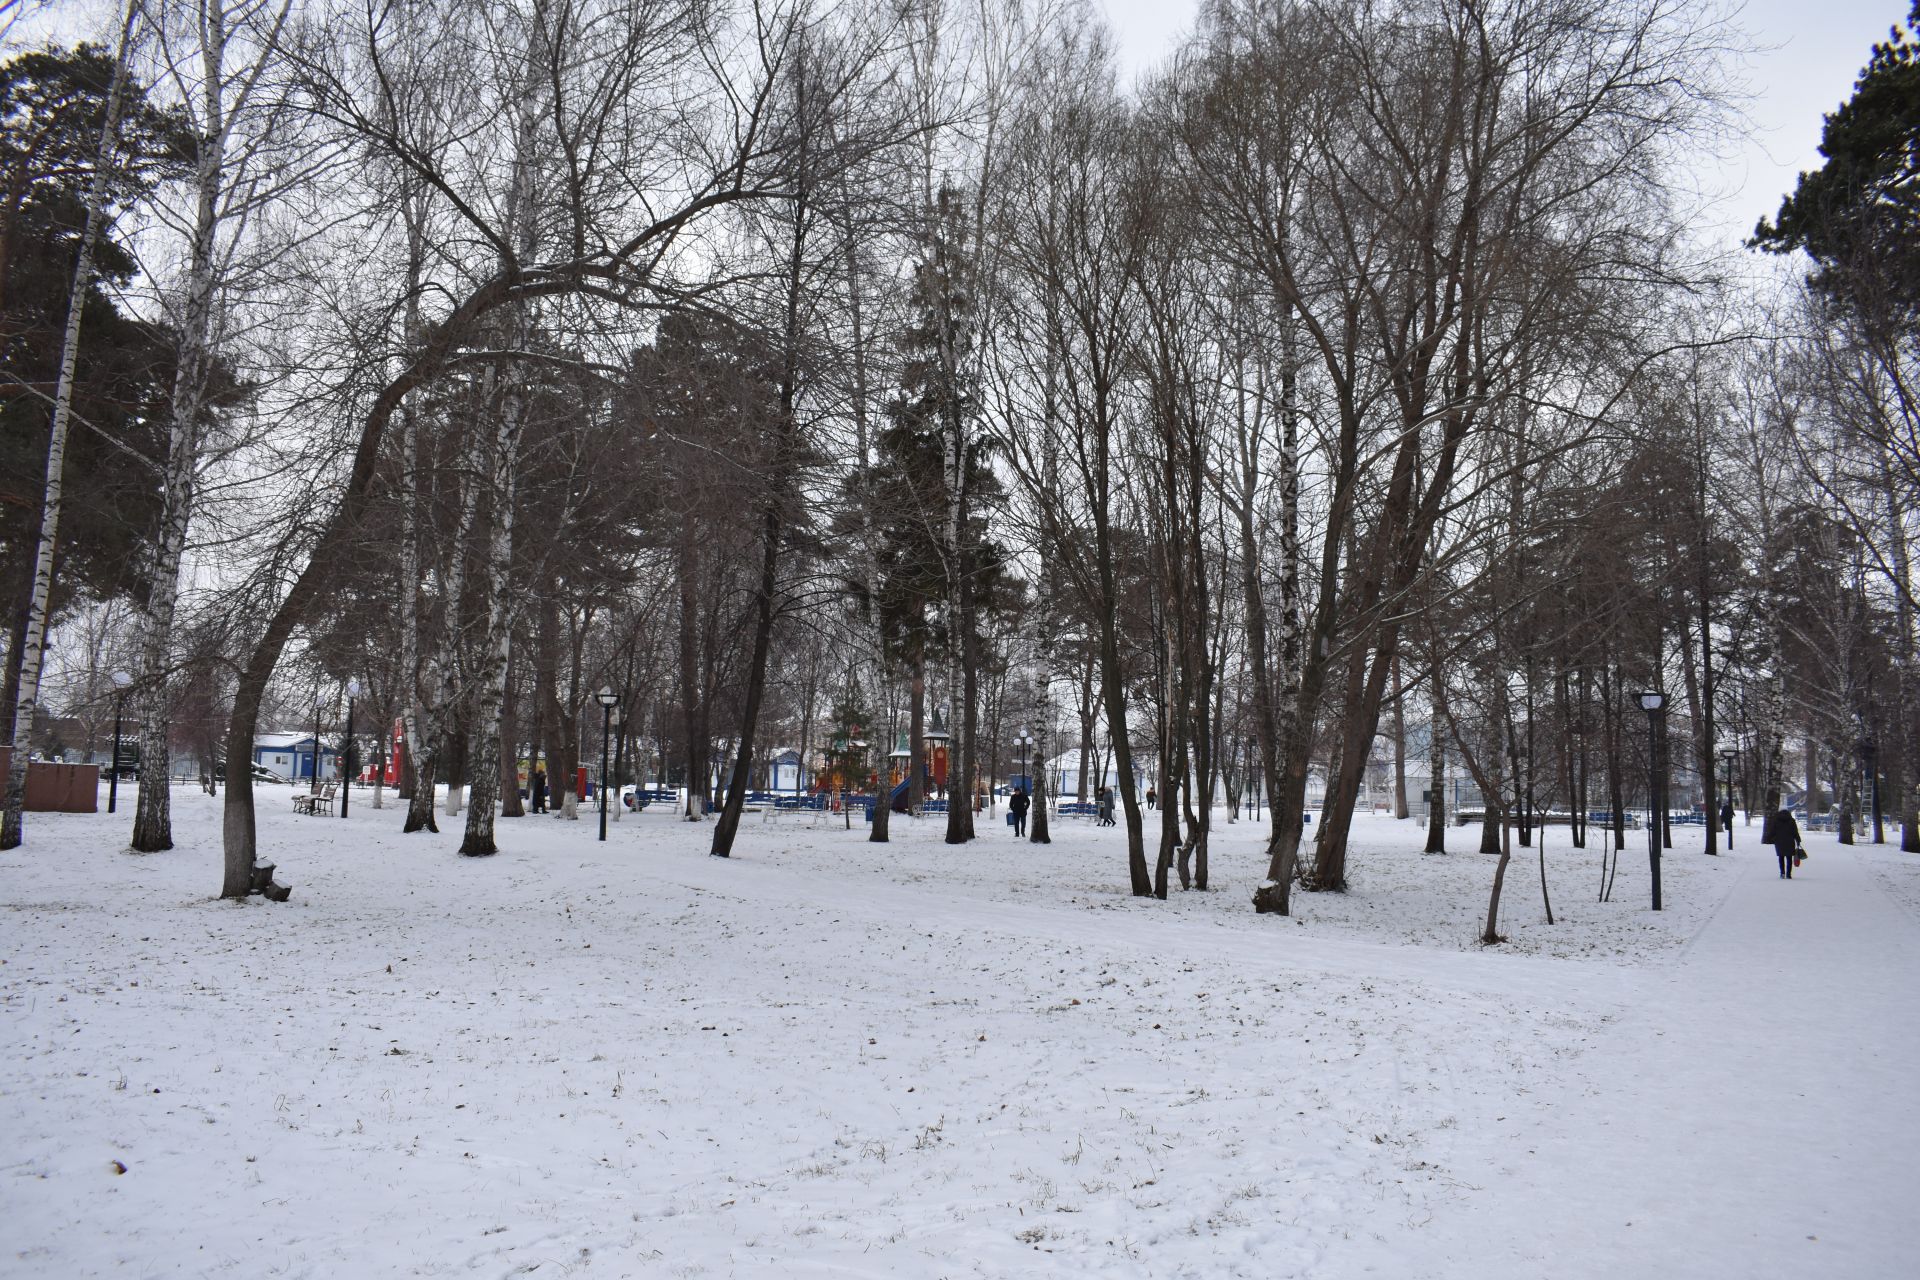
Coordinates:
(283, 740)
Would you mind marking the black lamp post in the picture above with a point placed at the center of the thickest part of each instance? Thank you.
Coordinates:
(1256, 780)
(120, 682)
(608, 700)
(314, 788)
(346, 768)
(1726, 763)
(1655, 705)
(1253, 746)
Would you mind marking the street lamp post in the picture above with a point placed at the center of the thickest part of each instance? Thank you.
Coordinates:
(1253, 745)
(608, 700)
(1655, 705)
(346, 769)
(314, 787)
(1254, 778)
(1576, 793)
(1726, 763)
(120, 682)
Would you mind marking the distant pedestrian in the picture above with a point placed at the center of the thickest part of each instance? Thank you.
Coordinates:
(1153, 797)
(1726, 815)
(539, 784)
(1106, 806)
(1784, 835)
(1017, 805)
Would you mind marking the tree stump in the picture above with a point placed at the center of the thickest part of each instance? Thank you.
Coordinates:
(262, 884)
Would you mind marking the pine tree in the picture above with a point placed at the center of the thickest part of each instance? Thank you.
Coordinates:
(849, 751)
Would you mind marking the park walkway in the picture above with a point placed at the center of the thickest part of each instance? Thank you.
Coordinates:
(1755, 1101)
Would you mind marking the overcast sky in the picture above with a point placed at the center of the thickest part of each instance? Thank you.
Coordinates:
(1809, 53)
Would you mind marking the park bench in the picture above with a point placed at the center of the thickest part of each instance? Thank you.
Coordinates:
(812, 806)
(314, 803)
(1078, 809)
(1597, 818)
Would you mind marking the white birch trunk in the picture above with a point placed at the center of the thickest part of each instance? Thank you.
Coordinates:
(153, 817)
(20, 730)
(413, 708)
(444, 670)
(483, 765)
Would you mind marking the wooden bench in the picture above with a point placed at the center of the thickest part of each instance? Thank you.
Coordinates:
(314, 803)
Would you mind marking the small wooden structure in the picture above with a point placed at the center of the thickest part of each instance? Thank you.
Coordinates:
(58, 788)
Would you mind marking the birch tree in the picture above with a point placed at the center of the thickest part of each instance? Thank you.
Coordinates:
(221, 62)
(39, 604)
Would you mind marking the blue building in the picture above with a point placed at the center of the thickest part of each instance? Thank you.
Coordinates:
(291, 756)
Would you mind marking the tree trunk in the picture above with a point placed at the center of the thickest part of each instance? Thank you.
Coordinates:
(1399, 745)
(153, 817)
(917, 734)
(30, 646)
(1037, 777)
(694, 741)
(1287, 726)
(1437, 790)
(496, 640)
(510, 708)
(764, 611)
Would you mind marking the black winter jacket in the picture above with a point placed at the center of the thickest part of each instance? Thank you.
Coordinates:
(1785, 834)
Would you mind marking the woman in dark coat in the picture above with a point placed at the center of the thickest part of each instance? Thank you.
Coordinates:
(1784, 834)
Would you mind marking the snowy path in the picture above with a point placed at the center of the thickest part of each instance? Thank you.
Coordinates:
(1753, 1117)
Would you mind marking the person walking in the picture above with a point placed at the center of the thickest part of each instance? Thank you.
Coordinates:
(1017, 805)
(1726, 819)
(1106, 807)
(1784, 834)
(538, 783)
(1152, 797)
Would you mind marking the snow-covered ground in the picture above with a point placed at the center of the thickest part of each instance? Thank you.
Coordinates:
(831, 1058)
